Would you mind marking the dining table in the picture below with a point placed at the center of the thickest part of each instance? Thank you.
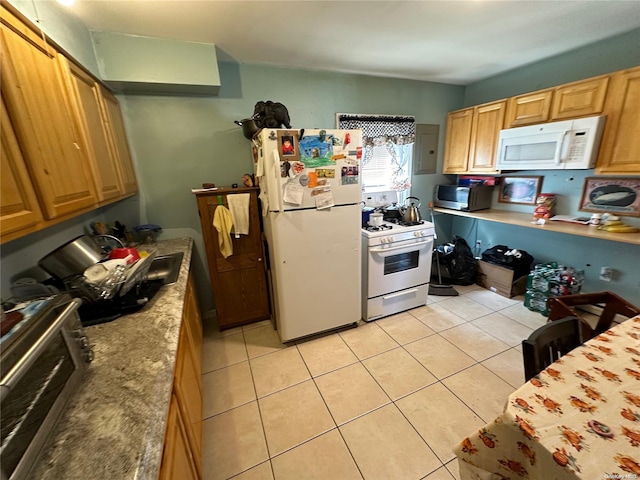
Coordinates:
(579, 418)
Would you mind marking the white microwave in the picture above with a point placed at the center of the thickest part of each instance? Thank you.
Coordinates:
(566, 145)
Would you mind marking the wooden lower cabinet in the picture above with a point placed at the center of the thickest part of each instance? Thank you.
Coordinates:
(177, 460)
(238, 282)
(182, 455)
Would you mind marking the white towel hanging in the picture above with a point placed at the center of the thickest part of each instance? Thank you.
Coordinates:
(239, 208)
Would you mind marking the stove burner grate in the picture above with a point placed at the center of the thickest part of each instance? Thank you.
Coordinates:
(402, 223)
(379, 228)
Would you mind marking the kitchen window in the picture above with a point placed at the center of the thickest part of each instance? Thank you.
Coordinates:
(388, 149)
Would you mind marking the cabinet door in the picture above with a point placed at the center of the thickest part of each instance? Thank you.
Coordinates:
(19, 205)
(113, 116)
(84, 96)
(620, 148)
(529, 108)
(457, 141)
(34, 94)
(239, 281)
(488, 120)
(177, 461)
(579, 99)
(188, 382)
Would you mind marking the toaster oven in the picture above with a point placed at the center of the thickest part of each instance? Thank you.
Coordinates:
(468, 198)
(43, 360)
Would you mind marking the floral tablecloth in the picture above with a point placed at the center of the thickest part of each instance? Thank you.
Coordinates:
(579, 418)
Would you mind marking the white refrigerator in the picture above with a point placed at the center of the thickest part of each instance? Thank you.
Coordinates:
(310, 192)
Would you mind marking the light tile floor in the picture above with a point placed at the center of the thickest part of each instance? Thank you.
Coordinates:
(386, 400)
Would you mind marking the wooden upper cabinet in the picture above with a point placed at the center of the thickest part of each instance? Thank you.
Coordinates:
(19, 205)
(458, 141)
(579, 99)
(33, 90)
(529, 108)
(113, 117)
(488, 120)
(85, 99)
(620, 147)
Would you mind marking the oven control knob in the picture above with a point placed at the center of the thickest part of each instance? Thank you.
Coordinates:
(389, 239)
(83, 342)
(417, 234)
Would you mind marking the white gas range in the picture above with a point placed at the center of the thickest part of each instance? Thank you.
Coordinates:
(396, 268)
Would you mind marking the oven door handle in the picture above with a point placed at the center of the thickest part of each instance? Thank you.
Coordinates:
(22, 366)
(390, 249)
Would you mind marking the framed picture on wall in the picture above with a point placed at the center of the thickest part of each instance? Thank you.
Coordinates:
(523, 189)
(618, 196)
(288, 145)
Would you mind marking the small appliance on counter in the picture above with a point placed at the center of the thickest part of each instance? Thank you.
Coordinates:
(43, 359)
(466, 198)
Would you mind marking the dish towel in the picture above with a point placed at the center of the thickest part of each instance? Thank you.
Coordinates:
(239, 207)
(223, 223)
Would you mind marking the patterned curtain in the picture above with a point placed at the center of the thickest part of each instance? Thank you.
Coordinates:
(396, 133)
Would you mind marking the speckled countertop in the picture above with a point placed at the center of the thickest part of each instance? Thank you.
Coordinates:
(114, 425)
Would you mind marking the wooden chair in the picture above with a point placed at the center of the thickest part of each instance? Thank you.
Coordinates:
(608, 303)
(548, 343)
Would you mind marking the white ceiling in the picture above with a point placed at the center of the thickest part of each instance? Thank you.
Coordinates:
(457, 42)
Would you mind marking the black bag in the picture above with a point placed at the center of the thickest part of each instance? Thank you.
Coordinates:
(457, 263)
(517, 260)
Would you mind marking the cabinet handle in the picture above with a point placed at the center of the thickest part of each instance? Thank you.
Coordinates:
(259, 259)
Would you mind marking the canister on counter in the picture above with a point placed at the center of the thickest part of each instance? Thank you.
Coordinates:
(596, 219)
(545, 206)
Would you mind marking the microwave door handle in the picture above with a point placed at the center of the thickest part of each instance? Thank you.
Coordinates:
(19, 369)
(561, 152)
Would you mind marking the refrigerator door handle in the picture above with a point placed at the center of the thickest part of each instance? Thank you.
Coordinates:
(278, 185)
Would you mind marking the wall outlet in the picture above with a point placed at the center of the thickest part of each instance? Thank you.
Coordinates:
(606, 273)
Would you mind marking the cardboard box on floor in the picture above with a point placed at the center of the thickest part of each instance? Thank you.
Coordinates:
(500, 280)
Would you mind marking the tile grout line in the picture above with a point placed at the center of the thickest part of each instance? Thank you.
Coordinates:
(361, 361)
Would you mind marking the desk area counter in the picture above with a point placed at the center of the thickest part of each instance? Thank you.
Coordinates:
(114, 426)
(525, 220)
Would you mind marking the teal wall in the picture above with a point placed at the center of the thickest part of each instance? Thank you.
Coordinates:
(63, 28)
(615, 53)
(606, 56)
(181, 142)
